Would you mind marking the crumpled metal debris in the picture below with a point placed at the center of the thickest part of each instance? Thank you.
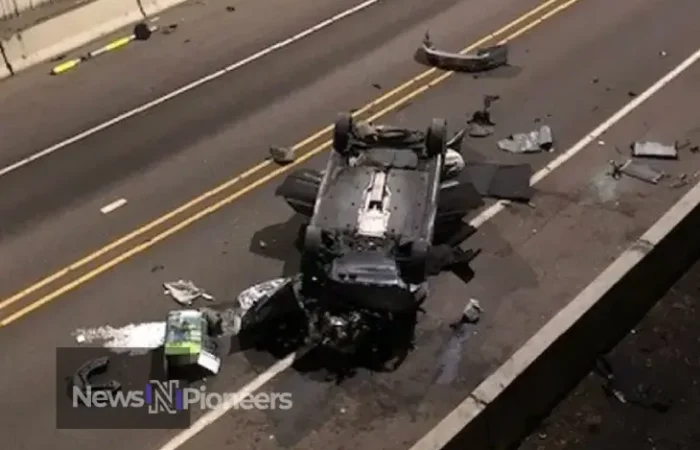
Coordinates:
(472, 312)
(532, 142)
(250, 304)
(636, 170)
(282, 155)
(506, 182)
(185, 292)
(482, 60)
(445, 257)
(654, 150)
(480, 124)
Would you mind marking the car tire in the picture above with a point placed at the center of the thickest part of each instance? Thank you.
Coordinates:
(312, 239)
(342, 132)
(436, 138)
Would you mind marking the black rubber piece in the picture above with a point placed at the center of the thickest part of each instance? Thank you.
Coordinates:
(342, 132)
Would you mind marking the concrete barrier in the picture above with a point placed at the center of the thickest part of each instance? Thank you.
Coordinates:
(153, 7)
(10, 8)
(509, 403)
(68, 31)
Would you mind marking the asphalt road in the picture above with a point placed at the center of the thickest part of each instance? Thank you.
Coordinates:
(573, 71)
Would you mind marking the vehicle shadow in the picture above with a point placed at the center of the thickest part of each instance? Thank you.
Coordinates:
(281, 242)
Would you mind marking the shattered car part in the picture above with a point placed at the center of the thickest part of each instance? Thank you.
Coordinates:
(472, 312)
(654, 150)
(372, 221)
(81, 378)
(532, 142)
(480, 124)
(482, 60)
(506, 182)
(282, 155)
(188, 341)
(641, 172)
(258, 303)
(185, 292)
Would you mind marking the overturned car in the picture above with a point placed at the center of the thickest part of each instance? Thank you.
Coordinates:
(374, 214)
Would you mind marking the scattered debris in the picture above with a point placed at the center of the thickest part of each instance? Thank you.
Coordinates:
(626, 388)
(185, 292)
(482, 60)
(157, 268)
(376, 85)
(507, 182)
(681, 181)
(171, 28)
(480, 124)
(654, 150)
(472, 312)
(142, 32)
(282, 155)
(132, 338)
(250, 303)
(445, 257)
(532, 142)
(188, 341)
(81, 378)
(636, 170)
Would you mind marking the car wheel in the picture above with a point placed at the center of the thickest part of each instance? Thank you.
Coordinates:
(342, 132)
(312, 240)
(436, 138)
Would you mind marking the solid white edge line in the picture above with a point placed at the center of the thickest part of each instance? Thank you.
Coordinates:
(112, 206)
(505, 374)
(231, 402)
(188, 87)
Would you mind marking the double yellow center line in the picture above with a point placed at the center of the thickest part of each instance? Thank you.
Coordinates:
(254, 177)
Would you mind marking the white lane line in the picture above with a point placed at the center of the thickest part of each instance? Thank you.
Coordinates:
(112, 206)
(195, 84)
(231, 402)
(282, 365)
(504, 375)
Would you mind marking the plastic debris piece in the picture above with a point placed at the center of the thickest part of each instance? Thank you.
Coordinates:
(483, 59)
(642, 172)
(81, 378)
(472, 312)
(185, 292)
(532, 142)
(282, 155)
(654, 150)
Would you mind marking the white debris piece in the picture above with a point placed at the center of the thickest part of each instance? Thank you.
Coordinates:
(133, 338)
(472, 312)
(532, 142)
(654, 150)
(185, 292)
